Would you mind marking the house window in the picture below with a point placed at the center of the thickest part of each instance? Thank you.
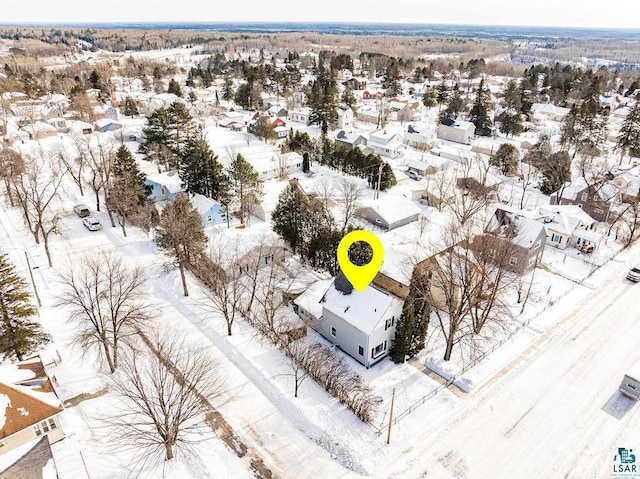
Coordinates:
(333, 332)
(360, 350)
(387, 323)
(36, 428)
(52, 424)
(162, 190)
(556, 238)
(377, 351)
(393, 320)
(209, 218)
(537, 245)
(513, 260)
(584, 197)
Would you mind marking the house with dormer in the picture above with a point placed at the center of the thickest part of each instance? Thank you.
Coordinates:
(164, 186)
(29, 406)
(568, 226)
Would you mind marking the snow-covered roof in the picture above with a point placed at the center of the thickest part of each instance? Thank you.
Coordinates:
(202, 204)
(549, 109)
(21, 407)
(563, 218)
(310, 299)
(394, 208)
(525, 230)
(362, 310)
(169, 179)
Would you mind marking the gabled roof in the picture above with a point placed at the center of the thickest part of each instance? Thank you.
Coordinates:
(393, 208)
(521, 230)
(21, 407)
(362, 310)
(169, 179)
(202, 204)
(562, 218)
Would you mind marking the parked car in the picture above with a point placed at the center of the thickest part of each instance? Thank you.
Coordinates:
(91, 223)
(630, 386)
(414, 175)
(82, 210)
(634, 274)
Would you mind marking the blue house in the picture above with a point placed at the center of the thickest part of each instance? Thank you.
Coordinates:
(212, 213)
(104, 125)
(164, 186)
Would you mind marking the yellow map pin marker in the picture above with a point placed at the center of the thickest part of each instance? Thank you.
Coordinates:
(360, 276)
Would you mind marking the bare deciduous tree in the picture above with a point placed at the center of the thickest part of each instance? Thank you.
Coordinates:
(222, 274)
(36, 190)
(162, 392)
(11, 165)
(106, 303)
(74, 166)
(349, 196)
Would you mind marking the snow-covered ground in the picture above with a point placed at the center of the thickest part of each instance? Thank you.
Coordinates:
(543, 404)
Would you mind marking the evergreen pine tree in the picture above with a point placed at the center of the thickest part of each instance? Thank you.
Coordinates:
(200, 170)
(246, 186)
(289, 216)
(479, 115)
(174, 87)
(128, 192)
(305, 162)
(404, 328)
(556, 171)
(429, 98)
(629, 137)
(130, 107)
(455, 106)
(19, 335)
(505, 159)
(442, 94)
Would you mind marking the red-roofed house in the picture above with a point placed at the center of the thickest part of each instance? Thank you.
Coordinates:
(26, 414)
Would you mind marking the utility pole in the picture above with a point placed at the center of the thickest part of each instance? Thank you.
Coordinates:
(393, 397)
(35, 290)
(379, 180)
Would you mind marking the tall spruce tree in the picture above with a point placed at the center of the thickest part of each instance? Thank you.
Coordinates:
(170, 127)
(246, 186)
(411, 329)
(128, 192)
(629, 137)
(289, 217)
(323, 99)
(201, 172)
(479, 114)
(19, 335)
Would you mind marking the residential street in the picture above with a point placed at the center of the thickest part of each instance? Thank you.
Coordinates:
(557, 412)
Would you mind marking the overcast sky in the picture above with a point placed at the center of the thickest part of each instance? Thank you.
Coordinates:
(574, 13)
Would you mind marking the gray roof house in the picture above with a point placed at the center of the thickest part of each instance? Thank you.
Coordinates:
(390, 212)
(362, 324)
(350, 140)
(525, 238)
(596, 200)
